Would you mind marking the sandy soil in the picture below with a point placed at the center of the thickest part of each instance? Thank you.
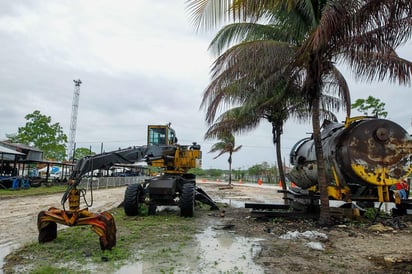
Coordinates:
(18, 216)
(283, 247)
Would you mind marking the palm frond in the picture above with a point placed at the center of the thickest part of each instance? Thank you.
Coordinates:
(207, 14)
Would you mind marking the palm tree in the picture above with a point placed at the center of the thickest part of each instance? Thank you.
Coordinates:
(362, 33)
(244, 118)
(226, 144)
(247, 117)
(268, 95)
(237, 78)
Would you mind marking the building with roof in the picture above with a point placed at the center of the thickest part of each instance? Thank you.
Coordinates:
(18, 160)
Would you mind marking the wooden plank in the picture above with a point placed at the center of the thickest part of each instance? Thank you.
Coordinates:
(266, 206)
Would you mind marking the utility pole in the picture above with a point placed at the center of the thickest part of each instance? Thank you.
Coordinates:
(73, 121)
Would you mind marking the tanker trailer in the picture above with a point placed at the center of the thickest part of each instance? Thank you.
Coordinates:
(363, 158)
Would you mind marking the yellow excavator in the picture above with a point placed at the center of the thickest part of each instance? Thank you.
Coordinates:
(174, 187)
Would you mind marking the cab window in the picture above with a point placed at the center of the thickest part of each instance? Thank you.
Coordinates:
(157, 136)
(172, 136)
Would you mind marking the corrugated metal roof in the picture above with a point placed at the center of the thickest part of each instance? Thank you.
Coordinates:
(18, 146)
(5, 150)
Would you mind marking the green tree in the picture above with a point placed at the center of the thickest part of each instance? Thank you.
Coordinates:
(255, 171)
(363, 34)
(214, 173)
(42, 134)
(371, 103)
(197, 171)
(82, 152)
(226, 144)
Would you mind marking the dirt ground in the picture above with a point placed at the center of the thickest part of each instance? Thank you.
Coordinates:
(18, 216)
(285, 246)
(291, 246)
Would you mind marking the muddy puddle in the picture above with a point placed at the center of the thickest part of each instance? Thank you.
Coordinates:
(6, 248)
(233, 202)
(239, 202)
(214, 251)
(223, 251)
(246, 193)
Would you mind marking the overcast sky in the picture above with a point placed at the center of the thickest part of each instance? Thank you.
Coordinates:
(141, 62)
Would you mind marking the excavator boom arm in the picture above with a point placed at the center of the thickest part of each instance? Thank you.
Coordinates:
(121, 156)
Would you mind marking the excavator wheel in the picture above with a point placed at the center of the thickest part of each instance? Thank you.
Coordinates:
(132, 197)
(109, 240)
(187, 200)
(47, 230)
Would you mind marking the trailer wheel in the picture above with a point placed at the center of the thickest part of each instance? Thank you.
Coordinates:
(152, 209)
(132, 196)
(365, 204)
(187, 200)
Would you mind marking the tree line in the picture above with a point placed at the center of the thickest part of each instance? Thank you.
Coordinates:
(266, 172)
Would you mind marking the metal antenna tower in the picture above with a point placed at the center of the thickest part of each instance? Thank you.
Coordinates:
(73, 121)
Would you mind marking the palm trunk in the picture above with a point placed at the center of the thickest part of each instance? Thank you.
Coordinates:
(230, 169)
(324, 218)
(276, 131)
(313, 90)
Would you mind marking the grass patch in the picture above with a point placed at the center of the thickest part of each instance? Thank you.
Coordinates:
(42, 190)
(158, 240)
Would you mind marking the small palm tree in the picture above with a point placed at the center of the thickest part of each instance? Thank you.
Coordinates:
(226, 144)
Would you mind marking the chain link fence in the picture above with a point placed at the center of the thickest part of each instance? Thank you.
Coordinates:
(110, 182)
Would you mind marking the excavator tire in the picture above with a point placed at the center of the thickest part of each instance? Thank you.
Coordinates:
(187, 200)
(47, 230)
(132, 196)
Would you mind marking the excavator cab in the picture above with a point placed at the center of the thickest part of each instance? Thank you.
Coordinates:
(161, 135)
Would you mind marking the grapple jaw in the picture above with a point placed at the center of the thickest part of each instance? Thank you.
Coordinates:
(102, 224)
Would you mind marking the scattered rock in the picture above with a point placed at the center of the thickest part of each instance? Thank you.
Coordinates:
(315, 245)
(380, 228)
(224, 226)
(307, 235)
(394, 258)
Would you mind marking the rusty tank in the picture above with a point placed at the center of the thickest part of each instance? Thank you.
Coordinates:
(364, 157)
